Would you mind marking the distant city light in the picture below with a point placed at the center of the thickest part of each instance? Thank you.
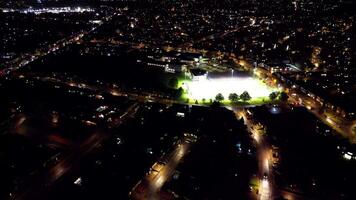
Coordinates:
(54, 10)
(348, 156)
(78, 181)
(275, 110)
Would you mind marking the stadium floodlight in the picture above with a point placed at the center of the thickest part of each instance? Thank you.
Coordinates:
(209, 88)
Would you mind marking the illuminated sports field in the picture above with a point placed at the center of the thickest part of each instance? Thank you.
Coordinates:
(209, 88)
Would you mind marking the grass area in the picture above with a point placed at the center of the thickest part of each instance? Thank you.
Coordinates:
(181, 80)
(255, 183)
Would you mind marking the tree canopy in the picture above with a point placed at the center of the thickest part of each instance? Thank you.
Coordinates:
(219, 97)
(245, 96)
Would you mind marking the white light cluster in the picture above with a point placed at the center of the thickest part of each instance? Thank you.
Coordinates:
(54, 10)
(209, 88)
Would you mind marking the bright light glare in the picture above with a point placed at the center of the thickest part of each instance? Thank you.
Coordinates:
(328, 119)
(266, 164)
(159, 181)
(256, 137)
(265, 184)
(265, 190)
(209, 88)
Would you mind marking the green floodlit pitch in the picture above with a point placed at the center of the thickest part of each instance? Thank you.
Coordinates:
(209, 88)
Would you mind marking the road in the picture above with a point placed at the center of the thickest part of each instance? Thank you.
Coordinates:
(267, 189)
(113, 91)
(150, 187)
(27, 58)
(330, 117)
